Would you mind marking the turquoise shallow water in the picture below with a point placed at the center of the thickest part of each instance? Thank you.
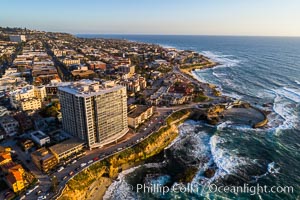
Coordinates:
(259, 70)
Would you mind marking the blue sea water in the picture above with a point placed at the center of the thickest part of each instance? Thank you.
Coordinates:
(260, 70)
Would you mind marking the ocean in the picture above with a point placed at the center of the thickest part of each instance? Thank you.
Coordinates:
(264, 71)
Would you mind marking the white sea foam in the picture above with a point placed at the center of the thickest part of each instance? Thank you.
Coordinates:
(272, 169)
(226, 162)
(224, 60)
(120, 189)
(290, 93)
(219, 75)
(224, 125)
(298, 82)
(285, 109)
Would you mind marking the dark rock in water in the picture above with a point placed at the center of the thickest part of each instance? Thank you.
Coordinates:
(213, 120)
(187, 176)
(209, 173)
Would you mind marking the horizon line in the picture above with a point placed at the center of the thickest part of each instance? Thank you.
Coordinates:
(160, 34)
(157, 34)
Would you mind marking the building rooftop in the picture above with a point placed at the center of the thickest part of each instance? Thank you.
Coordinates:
(138, 111)
(7, 119)
(86, 88)
(82, 72)
(39, 134)
(66, 145)
(42, 154)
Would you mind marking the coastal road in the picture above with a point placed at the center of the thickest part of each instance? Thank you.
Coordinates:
(153, 124)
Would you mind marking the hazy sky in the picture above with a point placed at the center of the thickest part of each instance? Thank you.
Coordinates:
(188, 17)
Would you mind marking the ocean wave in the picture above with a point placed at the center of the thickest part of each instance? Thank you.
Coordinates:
(219, 75)
(226, 162)
(289, 93)
(224, 60)
(298, 82)
(285, 109)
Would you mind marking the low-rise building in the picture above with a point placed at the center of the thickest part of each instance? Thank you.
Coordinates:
(67, 148)
(30, 104)
(9, 124)
(78, 74)
(24, 121)
(5, 158)
(28, 97)
(43, 70)
(40, 138)
(11, 167)
(128, 70)
(97, 65)
(139, 114)
(3, 111)
(40, 92)
(68, 61)
(26, 144)
(44, 159)
(17, 38)
(15, 181)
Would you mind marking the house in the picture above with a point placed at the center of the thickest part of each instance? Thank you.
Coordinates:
(15, 181)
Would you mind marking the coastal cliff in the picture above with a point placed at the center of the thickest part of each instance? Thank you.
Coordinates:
(101, 174)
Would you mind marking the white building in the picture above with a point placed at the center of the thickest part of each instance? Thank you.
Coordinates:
(17, 38)
(93, 112)
(40, 138)
(28, 98)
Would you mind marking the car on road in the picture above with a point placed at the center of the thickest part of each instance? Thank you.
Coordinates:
(74, 161)
(71, 173)
(82, 165)
(22, 197)
(60, 169)
(90, 161)
(41, 197)
(96, 158)
(65, 177)
(28, 192)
